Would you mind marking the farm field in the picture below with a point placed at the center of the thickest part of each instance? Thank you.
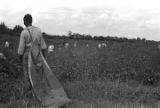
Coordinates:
(121, 75)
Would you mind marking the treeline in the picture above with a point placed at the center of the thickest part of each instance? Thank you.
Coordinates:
(100, 38)
(4, 29)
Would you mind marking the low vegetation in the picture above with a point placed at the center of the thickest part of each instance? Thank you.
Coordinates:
(125, 74)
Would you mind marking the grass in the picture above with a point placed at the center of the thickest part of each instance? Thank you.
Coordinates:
(80, 70)
(97, 94)
(103, 94)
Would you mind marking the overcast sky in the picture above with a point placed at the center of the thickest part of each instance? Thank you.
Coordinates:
(123, 18)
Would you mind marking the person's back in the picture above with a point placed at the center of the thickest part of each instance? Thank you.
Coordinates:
(47, 88)
(25, 44)
(29, 33)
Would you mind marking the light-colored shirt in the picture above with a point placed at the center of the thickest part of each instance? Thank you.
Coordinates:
(25, 39)
(7, 44)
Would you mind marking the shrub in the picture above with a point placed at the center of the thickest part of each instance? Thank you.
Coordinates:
(11, 76)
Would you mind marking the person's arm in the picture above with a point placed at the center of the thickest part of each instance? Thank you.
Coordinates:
(21, 47)
(43, 45)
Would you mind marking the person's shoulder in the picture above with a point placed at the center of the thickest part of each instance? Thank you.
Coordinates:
(36, 28)
(23, 31)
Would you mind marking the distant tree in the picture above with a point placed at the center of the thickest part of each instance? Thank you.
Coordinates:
(144, 39)
(17, 29)
(45, 34)
(88, 37)
(108, 38)
(97, 37)
(75, 36)
(133, 40)
(122, 39)
(69, 33)
(138, 38)
(3, 28)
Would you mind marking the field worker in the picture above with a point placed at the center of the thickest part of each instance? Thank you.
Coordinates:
(159, 46)
(6, 44)
(87, 45)
(99, 45)
(75, 44)
(104, 45)
(50, 48)
(43, 83)
(2, 56)
(66, 45)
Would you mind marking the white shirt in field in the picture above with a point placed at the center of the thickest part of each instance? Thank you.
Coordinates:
(6, 44)
(25, 39)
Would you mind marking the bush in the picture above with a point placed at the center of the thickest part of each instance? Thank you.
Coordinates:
(17, 29)
(11, 76)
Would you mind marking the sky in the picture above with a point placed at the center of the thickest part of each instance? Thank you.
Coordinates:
(121, 18)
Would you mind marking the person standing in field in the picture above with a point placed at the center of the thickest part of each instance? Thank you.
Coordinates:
(45, 86)
(6, 44)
